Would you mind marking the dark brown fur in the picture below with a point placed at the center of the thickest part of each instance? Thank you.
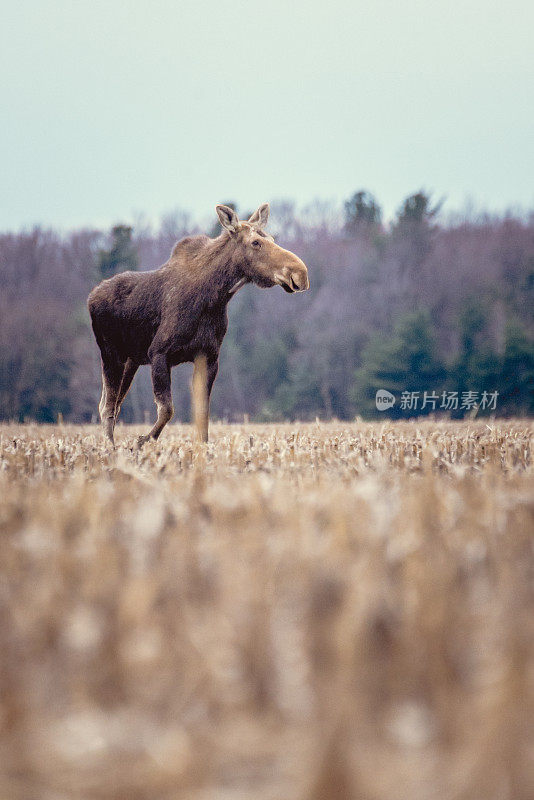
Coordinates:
(171, 315)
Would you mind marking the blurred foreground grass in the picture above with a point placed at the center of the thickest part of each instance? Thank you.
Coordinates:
(311, 612)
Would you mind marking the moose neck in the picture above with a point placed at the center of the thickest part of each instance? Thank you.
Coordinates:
(223, 273)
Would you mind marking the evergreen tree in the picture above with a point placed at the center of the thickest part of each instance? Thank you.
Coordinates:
(361, 210)
(122, 254)
(477, 366)
(407, 361)
(412, 231)
(517, 374)
(417, 210)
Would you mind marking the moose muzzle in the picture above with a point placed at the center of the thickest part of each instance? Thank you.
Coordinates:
(293, 277)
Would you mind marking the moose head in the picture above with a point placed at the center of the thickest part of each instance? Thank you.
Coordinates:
(262, 261)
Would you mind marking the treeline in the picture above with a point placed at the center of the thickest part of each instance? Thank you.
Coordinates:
(438, 313)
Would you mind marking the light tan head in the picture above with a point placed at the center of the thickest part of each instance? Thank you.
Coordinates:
(263, 261)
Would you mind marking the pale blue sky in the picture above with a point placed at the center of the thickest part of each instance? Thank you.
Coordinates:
(112, 107)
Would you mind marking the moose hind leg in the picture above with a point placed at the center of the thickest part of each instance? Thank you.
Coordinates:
(112, 371)
(130, 368)
(102, 402)
(161, 382)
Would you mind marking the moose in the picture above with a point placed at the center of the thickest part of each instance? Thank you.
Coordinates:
(178, 312)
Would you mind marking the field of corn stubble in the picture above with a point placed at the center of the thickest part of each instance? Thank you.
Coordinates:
(297, 612)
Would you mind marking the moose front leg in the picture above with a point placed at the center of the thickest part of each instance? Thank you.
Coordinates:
(161, 383)
(204, 374)
(213, 368)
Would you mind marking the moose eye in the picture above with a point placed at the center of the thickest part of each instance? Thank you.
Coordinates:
(256, 243)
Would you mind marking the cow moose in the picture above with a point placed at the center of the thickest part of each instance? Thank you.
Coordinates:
(175, 313)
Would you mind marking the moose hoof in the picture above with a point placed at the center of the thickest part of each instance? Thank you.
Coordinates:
(141, 440)
(109, 436)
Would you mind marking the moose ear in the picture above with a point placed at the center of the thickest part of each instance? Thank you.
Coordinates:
(228, 218)
(260, 217)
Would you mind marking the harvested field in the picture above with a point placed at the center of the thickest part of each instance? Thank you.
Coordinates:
(325, 611)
